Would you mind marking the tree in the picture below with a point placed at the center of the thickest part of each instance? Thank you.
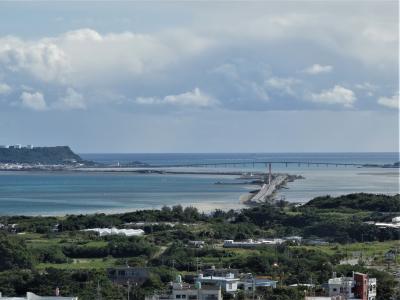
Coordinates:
(13, 253)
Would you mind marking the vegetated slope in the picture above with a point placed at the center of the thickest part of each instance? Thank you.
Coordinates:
(359, 201)
(43, 155)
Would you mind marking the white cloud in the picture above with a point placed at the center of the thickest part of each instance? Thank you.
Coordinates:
(177, 54)
(34, 101)
(284, 85)
(85, 34)
(367, 87)
(72, 100)
(148, 100)
(318, 69)
(4, 88)
(381, 34)
(43, 60)
(195, 98)
(336, 95)
(371, 36)
(391, 102)
(84, 56)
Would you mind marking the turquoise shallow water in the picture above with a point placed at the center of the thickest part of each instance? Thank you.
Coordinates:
(38, 193)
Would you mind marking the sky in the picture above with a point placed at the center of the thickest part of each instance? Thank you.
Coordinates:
(206, 76)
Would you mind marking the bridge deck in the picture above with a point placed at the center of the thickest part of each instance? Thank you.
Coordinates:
(245, 163)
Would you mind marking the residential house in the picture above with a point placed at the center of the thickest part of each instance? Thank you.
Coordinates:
(183, 291)
(125, 275)
(227, 283)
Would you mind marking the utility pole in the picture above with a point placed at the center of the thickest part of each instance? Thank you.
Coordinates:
(254, 287)
(98, 291)
(269, 174)
(129, 289)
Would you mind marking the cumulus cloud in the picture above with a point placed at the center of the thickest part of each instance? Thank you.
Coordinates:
(239, 64)
(318, 69)
(34, 101)
(72, 100)
(85, 56)
(336, 95)
(367, 87)
(390, 102)
(195, 98)
(43, 59)
(4, 88)
(284, 85)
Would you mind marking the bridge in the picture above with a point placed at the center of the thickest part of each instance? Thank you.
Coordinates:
(257, 162)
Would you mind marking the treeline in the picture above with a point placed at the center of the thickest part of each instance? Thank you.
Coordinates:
(116, 247)
(337, 219)
(359, 201)
(14, 253)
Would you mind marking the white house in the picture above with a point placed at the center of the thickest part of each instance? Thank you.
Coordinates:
(183, 291)
(227, 283)
(250, 283)
(341, 286)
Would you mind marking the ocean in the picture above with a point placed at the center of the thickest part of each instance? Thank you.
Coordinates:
(60, 193)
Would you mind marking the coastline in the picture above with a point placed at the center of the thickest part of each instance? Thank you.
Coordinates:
(205, 207)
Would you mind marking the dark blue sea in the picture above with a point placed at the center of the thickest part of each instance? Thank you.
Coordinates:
(60, 193)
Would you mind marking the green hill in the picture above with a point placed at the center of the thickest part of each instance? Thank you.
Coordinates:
(359, 201)
(42, 155)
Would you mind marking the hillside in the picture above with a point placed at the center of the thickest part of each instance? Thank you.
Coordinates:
(42, 155)
(360, 201)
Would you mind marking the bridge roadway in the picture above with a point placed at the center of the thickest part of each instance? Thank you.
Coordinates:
(267, 190)
(253, 163)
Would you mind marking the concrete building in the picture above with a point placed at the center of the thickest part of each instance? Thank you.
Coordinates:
(394, 224)
(252, 243)
(357, 287)
(396, 220)
(32, 296)
(371, 289)
(250, 283)
(125, 275)
(227, 283)
(197, 244)
(293, 239)
(220, 272)
(325, 298)
(183, 291)
(341, 286)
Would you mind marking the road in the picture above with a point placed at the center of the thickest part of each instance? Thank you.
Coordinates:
(268, 189)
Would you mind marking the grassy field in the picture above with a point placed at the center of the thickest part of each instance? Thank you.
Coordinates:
(367, 249)
(82, 263)
(371, 251)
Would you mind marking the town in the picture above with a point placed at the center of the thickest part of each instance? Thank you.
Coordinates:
(272, 251)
